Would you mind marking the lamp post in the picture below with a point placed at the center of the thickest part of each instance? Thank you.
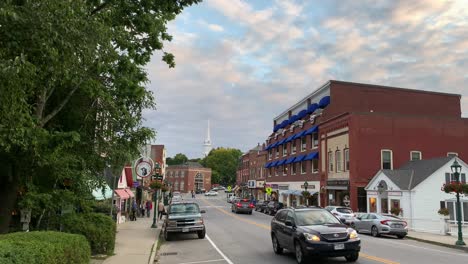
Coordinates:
(306, 184)
(456, 169)
(155, 216)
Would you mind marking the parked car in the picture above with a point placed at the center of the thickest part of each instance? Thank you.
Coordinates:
(184, 218)
(242, 206)
(198, 191)
(342, 212)
(273, 207)
(261, 205)
(211, 193)
(232, 198)
(313, 232)
(357, 215)
(377, 224)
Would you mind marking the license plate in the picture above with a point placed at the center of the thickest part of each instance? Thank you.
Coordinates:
(397, 225)
(339, 246)
(185, 229)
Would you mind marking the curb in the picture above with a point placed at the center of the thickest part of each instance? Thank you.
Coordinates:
(155, 247)
(463, 248)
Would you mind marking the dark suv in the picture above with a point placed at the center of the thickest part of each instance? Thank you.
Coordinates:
(313, 232)
(184, 217)
(273, 207)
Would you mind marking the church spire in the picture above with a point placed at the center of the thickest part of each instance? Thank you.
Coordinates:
(207, 142)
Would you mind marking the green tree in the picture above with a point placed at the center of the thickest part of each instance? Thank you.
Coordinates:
(223, 163)
(178, 159)
(72, 92)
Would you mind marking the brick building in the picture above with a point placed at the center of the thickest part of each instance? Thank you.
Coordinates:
(189, 176)
(250, 175)
(341, 134)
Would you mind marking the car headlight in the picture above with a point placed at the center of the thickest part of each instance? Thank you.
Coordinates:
(352, 234)
(311, 237)
(199, 221)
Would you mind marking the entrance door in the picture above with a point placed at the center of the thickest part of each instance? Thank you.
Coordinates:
(384, 205)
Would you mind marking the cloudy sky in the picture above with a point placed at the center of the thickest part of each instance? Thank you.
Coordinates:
(241, 63)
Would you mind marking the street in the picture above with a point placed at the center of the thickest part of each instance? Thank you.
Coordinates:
(243, 238)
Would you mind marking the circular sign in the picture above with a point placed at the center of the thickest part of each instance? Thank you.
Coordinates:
(144, 167)
(268, 190)
(346, 200)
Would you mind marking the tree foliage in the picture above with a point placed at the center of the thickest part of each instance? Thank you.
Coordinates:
(178, 159)
(223, 163)
(72, 90)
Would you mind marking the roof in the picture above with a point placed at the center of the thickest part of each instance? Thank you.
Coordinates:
(414, 172)
(189, 164)
(257, 148)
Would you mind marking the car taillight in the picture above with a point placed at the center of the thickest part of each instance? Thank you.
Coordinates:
(251, 206)
(384, 222)
(239, 205)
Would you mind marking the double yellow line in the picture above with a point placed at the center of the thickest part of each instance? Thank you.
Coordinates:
(381, 260)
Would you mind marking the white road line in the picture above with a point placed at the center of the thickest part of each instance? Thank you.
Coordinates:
(206, 261)
(219, 251)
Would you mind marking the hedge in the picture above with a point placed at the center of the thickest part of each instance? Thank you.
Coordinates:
(44, 247)
(99, 230)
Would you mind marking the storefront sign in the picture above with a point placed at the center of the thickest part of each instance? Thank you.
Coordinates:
(144, 167)
(371, 193)
(393, 193)
(309, 187)
(251, 184)
(337, 182)
(346, 200)
(274, 186)
(283, 187)
(260, 184)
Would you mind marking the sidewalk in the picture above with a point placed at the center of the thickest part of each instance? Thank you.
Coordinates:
(441, 240)
(134, 241)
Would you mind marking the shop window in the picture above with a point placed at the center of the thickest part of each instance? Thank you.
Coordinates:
(303, 167)
(269, 172)
(285, 150)
(372, 205)
(338, 160)
(276, 171)
(387, 159)
(293, 168)
(315, 140)
(303, 144)
(415, 155)
(293, 143)
(465, 211)
(450, 207)
(285, 170)
(346, 159)
(314, 165)
(330, 161)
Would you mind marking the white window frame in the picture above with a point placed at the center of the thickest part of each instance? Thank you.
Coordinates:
(381, 158)
(331, 161)
(270, 154)
(346, 159)
(276, 171)
(269, 172)
(277, 152)
(294, 146)
(182, 185)
(338, 161)
(285, 149)
(415, 151)
(303, 144)
(303, 167)
(315, 142)
(285, 170)
(452, 153)
(293, 168)
(312, 167)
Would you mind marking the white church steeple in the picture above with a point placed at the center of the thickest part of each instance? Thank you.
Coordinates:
(207, 142)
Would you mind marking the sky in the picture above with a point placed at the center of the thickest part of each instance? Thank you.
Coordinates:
(239, 63)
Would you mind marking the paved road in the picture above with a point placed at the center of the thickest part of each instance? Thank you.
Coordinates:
(245, 239)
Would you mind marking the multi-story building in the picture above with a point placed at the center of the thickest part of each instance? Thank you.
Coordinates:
(340, 135)
(188, 177)
(250, 176)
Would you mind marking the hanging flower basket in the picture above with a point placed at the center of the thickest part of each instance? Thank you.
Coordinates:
(454, 187)
(396, 211)
(443, 211)
(156, 185)
(305, 194)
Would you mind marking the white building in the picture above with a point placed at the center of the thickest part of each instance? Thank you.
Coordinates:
(416, 189)
(207, 143)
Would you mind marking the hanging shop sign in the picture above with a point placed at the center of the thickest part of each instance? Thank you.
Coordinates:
(143, 167)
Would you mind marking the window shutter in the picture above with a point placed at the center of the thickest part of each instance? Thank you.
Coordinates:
(447, 177)
(463, 178)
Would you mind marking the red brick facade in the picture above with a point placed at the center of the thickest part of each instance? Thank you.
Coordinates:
(183, 178)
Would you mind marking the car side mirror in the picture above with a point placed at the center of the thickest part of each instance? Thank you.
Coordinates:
(358, 218)
(289, 223)
(202, 211)
(343, 220)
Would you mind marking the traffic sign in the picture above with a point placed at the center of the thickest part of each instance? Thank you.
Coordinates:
(229, 188)
(268, 190)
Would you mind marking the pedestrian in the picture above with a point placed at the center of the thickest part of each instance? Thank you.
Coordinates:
(193, 195)
(134, 209)
(149, 206)
(161, 209)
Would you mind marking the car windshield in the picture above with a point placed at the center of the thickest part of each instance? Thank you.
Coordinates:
(315, 217)
(184, 209)
(344, 210)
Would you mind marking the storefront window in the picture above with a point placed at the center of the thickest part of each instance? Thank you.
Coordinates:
(303, 167)
(314, 165)
(293, 168)
(372, 205)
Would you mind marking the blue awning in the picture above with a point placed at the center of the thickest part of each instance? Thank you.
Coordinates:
(312, 108)
(290, 160)
(273, 163)
(275, 128)
(281, 142)
(289, 139)
(324, 101)
(293, 119)
(313, 155)
(299, 158)
(301, 114)
(281, 162)
(274, 144)
(300, 134)
(267, 165)
(311, 130)
(284, 123)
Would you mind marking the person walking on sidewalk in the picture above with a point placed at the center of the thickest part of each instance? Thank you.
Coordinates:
(161, 209)
(134, 210)
(149, 206)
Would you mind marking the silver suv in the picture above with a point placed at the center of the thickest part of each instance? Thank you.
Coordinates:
(342, 212)
(184, 217)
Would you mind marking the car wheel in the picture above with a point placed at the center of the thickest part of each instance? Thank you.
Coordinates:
(300, 257)
(375, 231)
(201, 234)
(167, 236)
(353, 226)
(353, 257)
(276, 247)
(250, 212)
(401, 236)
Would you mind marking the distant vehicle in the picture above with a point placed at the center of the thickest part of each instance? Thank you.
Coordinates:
(176, 199)
(377, 224)
(261, 205)
(242, 206)
(313, 232)
(342, 212)
(273, 207)
(184, 218)
(211, 193)
(232, 198)
(198, 191)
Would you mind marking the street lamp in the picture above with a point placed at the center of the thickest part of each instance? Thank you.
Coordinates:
(155, 197)
(456, 169)
(306, 184)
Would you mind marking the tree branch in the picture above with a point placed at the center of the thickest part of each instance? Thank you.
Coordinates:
(59, 107)
(99, 8)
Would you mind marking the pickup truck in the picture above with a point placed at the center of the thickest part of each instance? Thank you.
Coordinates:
(184, 217)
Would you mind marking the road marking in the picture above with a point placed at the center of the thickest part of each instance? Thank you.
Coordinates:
(219, 251)
(426, 248)
(382, 260)
(205, 261)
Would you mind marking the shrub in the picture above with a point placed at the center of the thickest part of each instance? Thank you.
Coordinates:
(44, 247)
(396, 211)
(443, 211)
(98, 229)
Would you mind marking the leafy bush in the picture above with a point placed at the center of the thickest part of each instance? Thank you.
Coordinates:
(44, 247)
(443, 211)
(396, 211)
(99, 230)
